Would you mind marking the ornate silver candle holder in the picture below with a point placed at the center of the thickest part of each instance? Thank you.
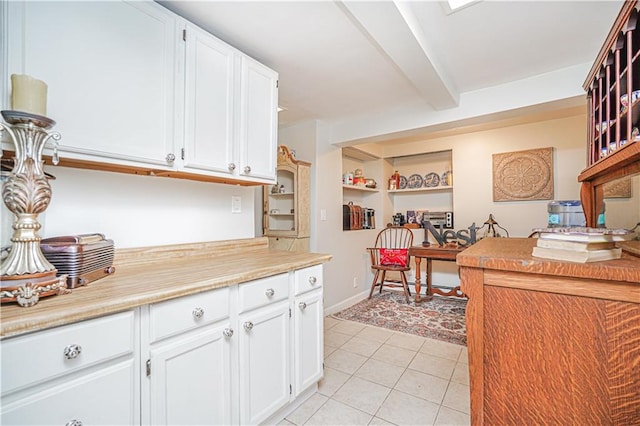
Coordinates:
(26, 275)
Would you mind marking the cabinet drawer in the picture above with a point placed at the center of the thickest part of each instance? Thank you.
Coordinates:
(263, 291)
(308, 279)
(43, 355)
(106, 396)
(187, 313)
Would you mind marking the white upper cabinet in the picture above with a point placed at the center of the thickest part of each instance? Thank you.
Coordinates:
(110, 68)
(132, 84)
(258, 120)
(209, 103)
(231, 106)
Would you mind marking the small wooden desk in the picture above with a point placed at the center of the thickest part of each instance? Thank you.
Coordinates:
(434, 252)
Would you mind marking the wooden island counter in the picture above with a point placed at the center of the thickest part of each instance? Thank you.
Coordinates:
(551, 342)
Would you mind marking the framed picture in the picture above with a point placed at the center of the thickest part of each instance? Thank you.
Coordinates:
(411, 216)
(392, 184)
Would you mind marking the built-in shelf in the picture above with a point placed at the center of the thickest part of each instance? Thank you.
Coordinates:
(360, 188)
(422, 189)
(281, 194)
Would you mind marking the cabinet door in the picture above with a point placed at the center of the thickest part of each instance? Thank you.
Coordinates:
(190, 381)
(258, 120)
(209, 117)
(308, 347)
(264, 362)
(110, 71)
(105, 396)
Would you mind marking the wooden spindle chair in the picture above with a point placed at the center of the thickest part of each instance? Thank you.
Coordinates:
(391, 254)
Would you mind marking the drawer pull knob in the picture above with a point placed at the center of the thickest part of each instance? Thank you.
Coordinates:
(232, 167)
(198, 313)
(72, 351)
(227, 332)
(270, 292)
(302, 305)
(248, 325)
(247, 169)
(73, 423)
(313, 280)
(170, 158)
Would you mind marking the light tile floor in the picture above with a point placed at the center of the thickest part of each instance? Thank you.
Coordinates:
(374, 376)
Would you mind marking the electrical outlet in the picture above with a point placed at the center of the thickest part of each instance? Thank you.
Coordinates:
(323, 214)
(236, 204)
(355, 282)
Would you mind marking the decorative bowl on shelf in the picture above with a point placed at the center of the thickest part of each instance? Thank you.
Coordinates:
(415, 181)
(431, 180)
(624, 99)
(403, 182)
(447, 178)
(602, 127)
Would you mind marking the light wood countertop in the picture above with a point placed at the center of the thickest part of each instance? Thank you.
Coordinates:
(151, 275)
(617, 279)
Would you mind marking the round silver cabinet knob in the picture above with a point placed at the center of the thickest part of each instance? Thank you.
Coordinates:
(72, 351)
(247, 169)
(198, 313)
(302, 306)
(73, 423)
(248, 325)
(270, 292)
(313, 280)
(227, 332)
(232, 166)
(170, 158)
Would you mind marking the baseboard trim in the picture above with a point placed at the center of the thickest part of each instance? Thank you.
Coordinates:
(330, 310)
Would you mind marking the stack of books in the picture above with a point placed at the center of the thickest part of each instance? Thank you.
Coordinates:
(580, 244)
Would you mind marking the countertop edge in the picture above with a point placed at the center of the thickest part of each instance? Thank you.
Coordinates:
(117, 293)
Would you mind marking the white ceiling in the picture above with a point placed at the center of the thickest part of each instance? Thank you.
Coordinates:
(346, 60)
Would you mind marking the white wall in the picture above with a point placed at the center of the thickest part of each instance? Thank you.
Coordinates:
(138, 211)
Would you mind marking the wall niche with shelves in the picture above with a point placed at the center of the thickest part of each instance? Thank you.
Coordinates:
(426, 183)
(361, 194)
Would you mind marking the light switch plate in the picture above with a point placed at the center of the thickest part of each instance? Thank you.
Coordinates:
(236, 204)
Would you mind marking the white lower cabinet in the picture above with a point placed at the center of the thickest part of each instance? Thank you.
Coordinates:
(106, 396)
(265, 384)
(243, 354)
(189, 364)
(190, 379)
(82, 373)
(308, 338)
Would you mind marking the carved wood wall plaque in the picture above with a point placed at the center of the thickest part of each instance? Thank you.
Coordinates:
(620, 188)
(523, 175)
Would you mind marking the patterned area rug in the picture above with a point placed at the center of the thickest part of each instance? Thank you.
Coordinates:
(441, 318)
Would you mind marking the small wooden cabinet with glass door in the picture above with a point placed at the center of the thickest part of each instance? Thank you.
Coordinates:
(286, 204)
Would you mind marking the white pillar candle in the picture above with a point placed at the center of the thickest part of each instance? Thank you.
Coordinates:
(28, 94)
